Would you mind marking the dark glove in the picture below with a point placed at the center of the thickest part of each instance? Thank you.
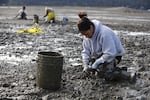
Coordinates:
(89, 73)
(92, 70)
(118, 59)
(86, 73)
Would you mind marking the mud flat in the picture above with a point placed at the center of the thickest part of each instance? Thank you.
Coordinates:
(18, 54)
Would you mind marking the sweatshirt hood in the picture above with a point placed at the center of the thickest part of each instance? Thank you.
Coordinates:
(97, 25)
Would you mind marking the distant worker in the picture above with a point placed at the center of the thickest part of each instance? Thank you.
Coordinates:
(35, 19)
(82, 14)
(50, 15)
(22, 13)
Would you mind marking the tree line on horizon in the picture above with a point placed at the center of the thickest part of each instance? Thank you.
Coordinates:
(138, 4)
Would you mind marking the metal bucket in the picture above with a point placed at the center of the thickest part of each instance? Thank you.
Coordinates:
(49, 70)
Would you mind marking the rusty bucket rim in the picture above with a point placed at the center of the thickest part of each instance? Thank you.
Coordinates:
(57, 54)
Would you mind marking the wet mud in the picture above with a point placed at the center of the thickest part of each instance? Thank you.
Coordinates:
(18, 58)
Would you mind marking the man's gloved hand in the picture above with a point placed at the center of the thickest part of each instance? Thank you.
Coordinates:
(85, 67)
(92, 71)
(96, 64)
(88, 70)
(89, 73)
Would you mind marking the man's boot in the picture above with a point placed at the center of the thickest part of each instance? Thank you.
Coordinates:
(131, 77)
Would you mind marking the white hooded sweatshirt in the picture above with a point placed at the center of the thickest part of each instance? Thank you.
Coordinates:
(104, 45)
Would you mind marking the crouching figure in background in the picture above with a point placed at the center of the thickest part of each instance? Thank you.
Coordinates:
(50, 15)
(22, 13)
(35, 19)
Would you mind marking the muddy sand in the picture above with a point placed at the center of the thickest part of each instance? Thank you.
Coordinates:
(18, 55)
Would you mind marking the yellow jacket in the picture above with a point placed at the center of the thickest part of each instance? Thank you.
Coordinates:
(51, 16)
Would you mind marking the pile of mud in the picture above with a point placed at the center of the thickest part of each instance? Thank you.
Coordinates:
(18, 66)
